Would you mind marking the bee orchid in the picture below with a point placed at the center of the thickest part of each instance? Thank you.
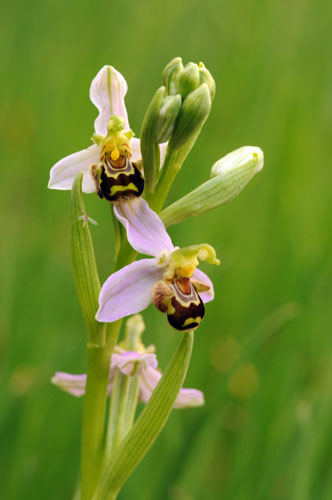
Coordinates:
(110, 163)
(170, 279)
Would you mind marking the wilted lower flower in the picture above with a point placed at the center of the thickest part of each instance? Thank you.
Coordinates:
(170, 279)
(107, 166)
(132, 364)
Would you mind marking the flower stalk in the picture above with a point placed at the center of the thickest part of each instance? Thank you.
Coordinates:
(149, 424)
(113, 167)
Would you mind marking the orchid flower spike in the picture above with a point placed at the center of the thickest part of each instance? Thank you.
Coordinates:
(141, 363)
(110, 164)
(170, 280)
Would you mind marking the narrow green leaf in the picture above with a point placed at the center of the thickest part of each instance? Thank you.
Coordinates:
(84, 265)
(149, 424)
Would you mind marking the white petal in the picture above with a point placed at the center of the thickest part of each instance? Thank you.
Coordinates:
(134, 363)
(64, 171)
(128, 291)
(107, 92)
(145, 231)
(74, 384)
(163, 149)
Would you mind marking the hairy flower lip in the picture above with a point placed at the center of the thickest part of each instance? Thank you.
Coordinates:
(129, 290)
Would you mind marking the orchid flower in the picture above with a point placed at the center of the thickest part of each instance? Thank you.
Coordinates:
(113, 146)
(132, 364)
(170, 279)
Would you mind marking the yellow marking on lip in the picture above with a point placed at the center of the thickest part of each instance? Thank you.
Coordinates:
(115, 154)
(116, 189)
(192, 320)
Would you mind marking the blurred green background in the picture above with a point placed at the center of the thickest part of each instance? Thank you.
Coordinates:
(263, 354)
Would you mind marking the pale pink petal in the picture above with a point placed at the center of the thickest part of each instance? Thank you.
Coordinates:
(186, 398)
(148, 382)
(107, 92)
(189, 398)
(64, 171)
(133, 363)
(145, 231)
(135, 149)
(74, 384)
(200, 276)
(128, 291)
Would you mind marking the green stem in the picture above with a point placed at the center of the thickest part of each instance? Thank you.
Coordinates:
(168, 173)
(114, 412)
(94, 411)
(148, 426)
(98, 366)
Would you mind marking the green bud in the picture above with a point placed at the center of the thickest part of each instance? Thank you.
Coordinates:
(189, 79)
(170, 75)
(195, 110)
(149, 148)
(229, 176)
(206, 77)
(167, 117)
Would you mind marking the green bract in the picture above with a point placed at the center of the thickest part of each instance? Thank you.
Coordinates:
(84, 265)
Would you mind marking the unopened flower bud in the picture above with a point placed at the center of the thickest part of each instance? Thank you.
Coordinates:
(167, 117)
(206, 77)
(229, 176)
(245, 159)
(189, 79)
(149, 149)
(194, 112)
(170, 75)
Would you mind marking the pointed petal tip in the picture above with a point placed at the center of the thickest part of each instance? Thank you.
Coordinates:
(107, 93)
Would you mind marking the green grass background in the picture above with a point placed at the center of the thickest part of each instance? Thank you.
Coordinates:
(263, 354)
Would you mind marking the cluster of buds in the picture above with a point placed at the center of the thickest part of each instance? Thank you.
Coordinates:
(193, 88)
